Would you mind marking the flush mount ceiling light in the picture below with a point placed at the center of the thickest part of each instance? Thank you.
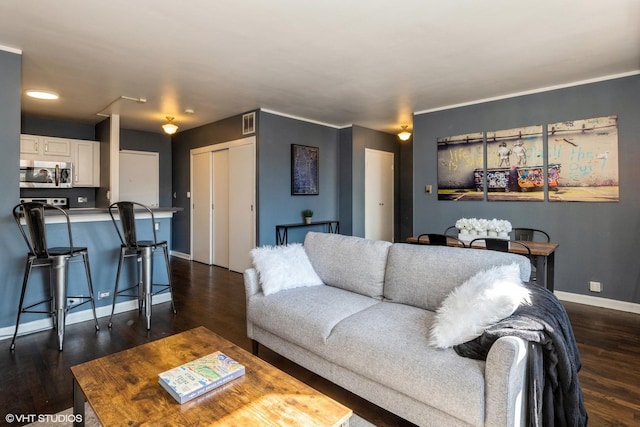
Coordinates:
(405, 134)
(42, 94)
(169, 128)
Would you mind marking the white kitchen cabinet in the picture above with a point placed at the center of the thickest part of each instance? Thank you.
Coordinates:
(35, 147)
(85, 156)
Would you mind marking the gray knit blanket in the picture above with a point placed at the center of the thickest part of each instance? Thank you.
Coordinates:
(555, 396)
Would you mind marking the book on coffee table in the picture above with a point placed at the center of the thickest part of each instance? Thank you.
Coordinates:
(199, 376)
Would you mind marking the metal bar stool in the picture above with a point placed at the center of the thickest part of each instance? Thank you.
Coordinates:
(57, 259)
(142, 251)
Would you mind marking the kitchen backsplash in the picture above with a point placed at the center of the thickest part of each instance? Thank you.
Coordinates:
(80, 197)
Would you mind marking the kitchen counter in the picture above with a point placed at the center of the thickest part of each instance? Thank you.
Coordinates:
(102, 214)
(106, 210)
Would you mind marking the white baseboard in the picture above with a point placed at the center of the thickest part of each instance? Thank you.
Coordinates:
(598, 302)
(181, 255)
(78, 316)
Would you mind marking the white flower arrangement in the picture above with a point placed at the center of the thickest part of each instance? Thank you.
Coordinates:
(463, 224)
(503, 226)
(482, 226)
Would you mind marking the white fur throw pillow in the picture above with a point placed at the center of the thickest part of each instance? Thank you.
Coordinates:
(283, 267)
(484, 299)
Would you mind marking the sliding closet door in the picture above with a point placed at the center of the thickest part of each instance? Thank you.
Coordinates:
(201, 220)
(220, 207)
(223, 204)
(241, 206)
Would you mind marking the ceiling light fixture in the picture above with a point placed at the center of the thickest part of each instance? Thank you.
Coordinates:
(405, 134)
(169, 128)
(42, 94)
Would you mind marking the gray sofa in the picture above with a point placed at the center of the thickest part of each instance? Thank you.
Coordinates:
(367, 330)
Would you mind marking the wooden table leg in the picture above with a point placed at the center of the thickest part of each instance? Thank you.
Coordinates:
(78, 404)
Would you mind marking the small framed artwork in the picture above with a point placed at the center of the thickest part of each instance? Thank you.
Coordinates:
(304, 170)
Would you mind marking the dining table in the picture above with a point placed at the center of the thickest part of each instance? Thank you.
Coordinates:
(542, 255)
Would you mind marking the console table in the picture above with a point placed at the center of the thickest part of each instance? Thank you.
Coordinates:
(282, 230)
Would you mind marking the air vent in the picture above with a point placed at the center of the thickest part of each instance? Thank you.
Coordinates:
(248, 123)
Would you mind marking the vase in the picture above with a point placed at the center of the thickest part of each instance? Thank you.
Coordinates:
(503, 235)
(463, 231)
(307, 220)
(492, 233)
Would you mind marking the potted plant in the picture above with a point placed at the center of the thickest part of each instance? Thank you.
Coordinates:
(307, 214)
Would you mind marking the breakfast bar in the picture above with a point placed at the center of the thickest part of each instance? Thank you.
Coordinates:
(93, 228)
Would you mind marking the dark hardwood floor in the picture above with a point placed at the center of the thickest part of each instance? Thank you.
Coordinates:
(35, 379)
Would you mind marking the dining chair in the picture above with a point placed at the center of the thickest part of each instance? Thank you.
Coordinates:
(142, 251)
(530, 234)
(438, 240)
(501, 245)
(30, 217)
(450, 230)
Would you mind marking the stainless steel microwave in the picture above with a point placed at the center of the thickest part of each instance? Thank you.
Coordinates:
(48, 174)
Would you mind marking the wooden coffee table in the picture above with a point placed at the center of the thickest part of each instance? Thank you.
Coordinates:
(123, 388)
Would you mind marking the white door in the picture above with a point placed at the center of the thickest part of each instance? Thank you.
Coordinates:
(220, 206)
(140, 177)
(201, 220)
(378, 195)
(241, 206)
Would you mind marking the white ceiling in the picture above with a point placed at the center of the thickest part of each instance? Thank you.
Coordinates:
(340, 62)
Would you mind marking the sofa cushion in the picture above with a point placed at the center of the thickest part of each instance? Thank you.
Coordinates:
(351, 263)
(305, 316)
(283, 267)
(484, 299)
(423, 275)
(387, 343)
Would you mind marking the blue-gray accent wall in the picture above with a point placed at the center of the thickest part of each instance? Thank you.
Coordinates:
(597, 240)
(275, 203)
(12, 247)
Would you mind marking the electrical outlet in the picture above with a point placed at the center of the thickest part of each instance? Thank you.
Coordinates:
(104, 294)
(595, 286)
(157, 226)
(428, 189)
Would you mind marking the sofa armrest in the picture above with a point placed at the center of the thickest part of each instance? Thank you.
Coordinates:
(251, 287)
(506, 382)
(251, 283)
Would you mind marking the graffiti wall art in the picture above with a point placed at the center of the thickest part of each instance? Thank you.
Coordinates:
(509, 165)
(587, 152)
(515, 164)
(459, 157)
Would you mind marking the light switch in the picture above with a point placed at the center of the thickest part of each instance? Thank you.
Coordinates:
(427, 189)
